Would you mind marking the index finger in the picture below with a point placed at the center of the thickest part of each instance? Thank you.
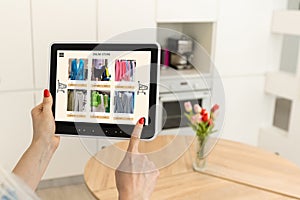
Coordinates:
(133, 146)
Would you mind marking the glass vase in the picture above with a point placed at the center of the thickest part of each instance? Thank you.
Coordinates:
(199, 163)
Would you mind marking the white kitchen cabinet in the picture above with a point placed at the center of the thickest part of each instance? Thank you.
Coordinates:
(59, 21)
(118, 17)
(69, 159)
(15, 51)
(277, 84)
(38, 96)
(284, 22)
(16, 128)
(186, 11)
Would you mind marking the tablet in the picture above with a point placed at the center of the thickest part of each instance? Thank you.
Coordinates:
(102, 90)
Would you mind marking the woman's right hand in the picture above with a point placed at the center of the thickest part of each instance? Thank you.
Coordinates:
(136, 175)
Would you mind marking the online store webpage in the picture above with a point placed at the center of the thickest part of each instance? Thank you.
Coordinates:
(102, 86)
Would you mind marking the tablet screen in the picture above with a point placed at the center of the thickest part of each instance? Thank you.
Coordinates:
(109, 87)
(102, 89)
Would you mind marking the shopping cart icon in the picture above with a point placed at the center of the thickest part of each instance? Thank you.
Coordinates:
(142, 88)
(61, 87)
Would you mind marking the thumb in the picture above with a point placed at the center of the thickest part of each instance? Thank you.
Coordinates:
(47, 101)
(135, 136)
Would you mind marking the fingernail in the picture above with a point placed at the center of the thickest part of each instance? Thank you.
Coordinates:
(142, 121)
(46, 93)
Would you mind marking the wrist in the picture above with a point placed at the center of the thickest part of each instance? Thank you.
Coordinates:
(125, 196)
(45, 145)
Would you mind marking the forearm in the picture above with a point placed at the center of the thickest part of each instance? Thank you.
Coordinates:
(32, 165)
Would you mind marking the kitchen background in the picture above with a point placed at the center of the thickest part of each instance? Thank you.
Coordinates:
(252, 44)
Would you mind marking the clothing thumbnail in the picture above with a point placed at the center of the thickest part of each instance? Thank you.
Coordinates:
(100, 101)
(78, 69)
(77, 100)
(100, 71)
(124, 102)
(125, 70)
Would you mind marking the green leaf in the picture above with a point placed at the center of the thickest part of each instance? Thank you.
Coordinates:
(202, 126)
(187, 116)
(209, 129)
(199, 127)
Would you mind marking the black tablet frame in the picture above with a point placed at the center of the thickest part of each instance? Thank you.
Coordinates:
(105, 129)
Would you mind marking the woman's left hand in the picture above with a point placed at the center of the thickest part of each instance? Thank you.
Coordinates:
(44, 124)
(34, 162)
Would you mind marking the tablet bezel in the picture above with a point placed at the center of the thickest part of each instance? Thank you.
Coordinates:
(104, 129)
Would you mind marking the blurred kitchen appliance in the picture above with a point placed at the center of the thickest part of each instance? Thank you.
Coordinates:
(177, 87)
(181, 52)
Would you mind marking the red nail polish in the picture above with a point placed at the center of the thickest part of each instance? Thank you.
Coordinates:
(142, 121)
(46, 93)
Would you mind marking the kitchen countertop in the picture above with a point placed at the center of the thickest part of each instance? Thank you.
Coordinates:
(171, 73)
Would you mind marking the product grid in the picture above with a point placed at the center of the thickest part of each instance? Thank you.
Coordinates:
(99, 89)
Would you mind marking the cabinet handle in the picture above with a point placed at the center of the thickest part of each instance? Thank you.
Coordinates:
(183, 83)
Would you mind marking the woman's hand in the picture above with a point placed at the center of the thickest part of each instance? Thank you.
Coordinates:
(32, 165)
(43, 123)
(136, 176)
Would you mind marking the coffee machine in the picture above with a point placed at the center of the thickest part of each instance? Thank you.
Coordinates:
(181, 52)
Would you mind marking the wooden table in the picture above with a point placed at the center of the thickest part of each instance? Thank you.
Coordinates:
(233, 171)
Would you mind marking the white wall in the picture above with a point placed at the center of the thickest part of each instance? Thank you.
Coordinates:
(16, 80)
(245, 50)
(27, 30)
(248, 108)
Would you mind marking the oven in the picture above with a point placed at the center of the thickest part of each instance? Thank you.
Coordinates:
(173, 95)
